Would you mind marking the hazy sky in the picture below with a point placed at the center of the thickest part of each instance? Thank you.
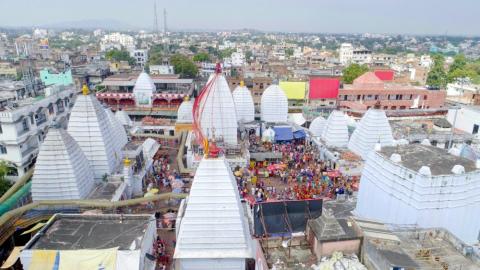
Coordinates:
(376, 16)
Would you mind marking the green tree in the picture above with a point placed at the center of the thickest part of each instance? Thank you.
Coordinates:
(248, 55)
(459, 62)
(289, 52)
(4, 184)
(226, 53)
(437, 77)
(201, 57)
(353, 71)
(184, 66)
(193, 48)
(119, 55)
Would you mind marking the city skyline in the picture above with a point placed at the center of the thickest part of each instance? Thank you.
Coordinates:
(346, 16)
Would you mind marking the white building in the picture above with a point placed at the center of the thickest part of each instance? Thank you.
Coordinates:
(90, 126)
(24, 122)
(115, 39)
(335, 132)
(237, 59)
(143, 90)
(274, 105)
(161, 69)
(217, 117)
(458, 89)
(62, 171)
(79, 241)
(212, 229)
(243, 103)
(426, 61)
(373, 128)
(346, 54)
(467, 119)
(421, 186)
(141, 56)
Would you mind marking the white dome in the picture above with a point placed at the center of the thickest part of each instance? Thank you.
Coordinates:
(62, 171)
(218, 117)
(244, 104)
(373, 128)
(335, 132)
(185, 112)
(123, 118)
(274, 105)
(296, 118)
(143, 90)
(317, 126)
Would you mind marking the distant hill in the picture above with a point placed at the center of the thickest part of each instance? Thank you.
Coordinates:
(91, 24)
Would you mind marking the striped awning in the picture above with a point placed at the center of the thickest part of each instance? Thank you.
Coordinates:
(167, 96)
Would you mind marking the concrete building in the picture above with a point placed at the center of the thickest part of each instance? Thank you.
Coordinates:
(24, 121)
(465, 93)
(368, 91)
(161, 70)
(8, 71)
(92, 242)
(323, 93)
(421, 186)
(61, 78)
(257, 86)
(141, 56)
(466, 118)
(346, 54)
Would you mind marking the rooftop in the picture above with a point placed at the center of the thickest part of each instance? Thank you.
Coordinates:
(70, 232)
(414, 156)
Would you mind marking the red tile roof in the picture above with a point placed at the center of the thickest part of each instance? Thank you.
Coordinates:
(384, 75)
(321, 88)
(369, 78)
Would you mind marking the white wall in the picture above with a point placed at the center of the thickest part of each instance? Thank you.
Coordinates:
(394, 194)
(466, 118)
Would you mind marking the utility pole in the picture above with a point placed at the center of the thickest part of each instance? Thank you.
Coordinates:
(165, 41)
(155, 18)
(453, 128)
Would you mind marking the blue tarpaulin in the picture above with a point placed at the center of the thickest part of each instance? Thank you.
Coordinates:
(299, 134)
(283, 133)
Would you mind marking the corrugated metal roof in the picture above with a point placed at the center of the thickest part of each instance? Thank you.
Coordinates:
(214, 225)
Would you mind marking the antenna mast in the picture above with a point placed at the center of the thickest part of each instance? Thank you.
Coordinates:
(155, 18)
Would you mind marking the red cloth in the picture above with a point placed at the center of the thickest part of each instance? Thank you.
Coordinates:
(384, 75)
(326, 88)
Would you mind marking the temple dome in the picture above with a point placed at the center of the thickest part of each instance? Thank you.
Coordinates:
(244, 104)
(143, 90)
(90, 127)
(121, 138)
(373, 128)
(185, 112)
(218, 118)
(335, 132)
(274, 105)
(317, 126)
(123, 118)
(62, 171)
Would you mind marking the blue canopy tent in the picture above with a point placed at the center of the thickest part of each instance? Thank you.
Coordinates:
(299, 134)
(283, 134)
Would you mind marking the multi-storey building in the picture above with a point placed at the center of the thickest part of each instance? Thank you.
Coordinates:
(368, 91)
(24, 121)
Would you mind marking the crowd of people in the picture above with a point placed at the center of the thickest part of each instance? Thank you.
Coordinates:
(298, 175)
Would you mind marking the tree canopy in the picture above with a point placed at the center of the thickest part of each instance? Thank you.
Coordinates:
(201, 57)
(353, 71)
(184, 66)
(4, 184)
(119, 55)
(437, 77)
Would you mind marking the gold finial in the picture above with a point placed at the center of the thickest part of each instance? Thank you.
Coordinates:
(126, 162)
(205, 147)
(242, 83)
(85, 90)
(186, 98)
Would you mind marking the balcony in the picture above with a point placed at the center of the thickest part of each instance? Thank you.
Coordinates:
(27, 151)
(23, 131)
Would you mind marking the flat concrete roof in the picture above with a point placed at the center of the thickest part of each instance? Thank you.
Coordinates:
(71, 232)
(414, 156)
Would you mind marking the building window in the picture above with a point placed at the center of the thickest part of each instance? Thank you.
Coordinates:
(172, 133)
(394, 107)
(1, 129)
(402, 107)
(385, 107)
(3, 149)
(475, 129)
(25, 124)
(425, 97)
